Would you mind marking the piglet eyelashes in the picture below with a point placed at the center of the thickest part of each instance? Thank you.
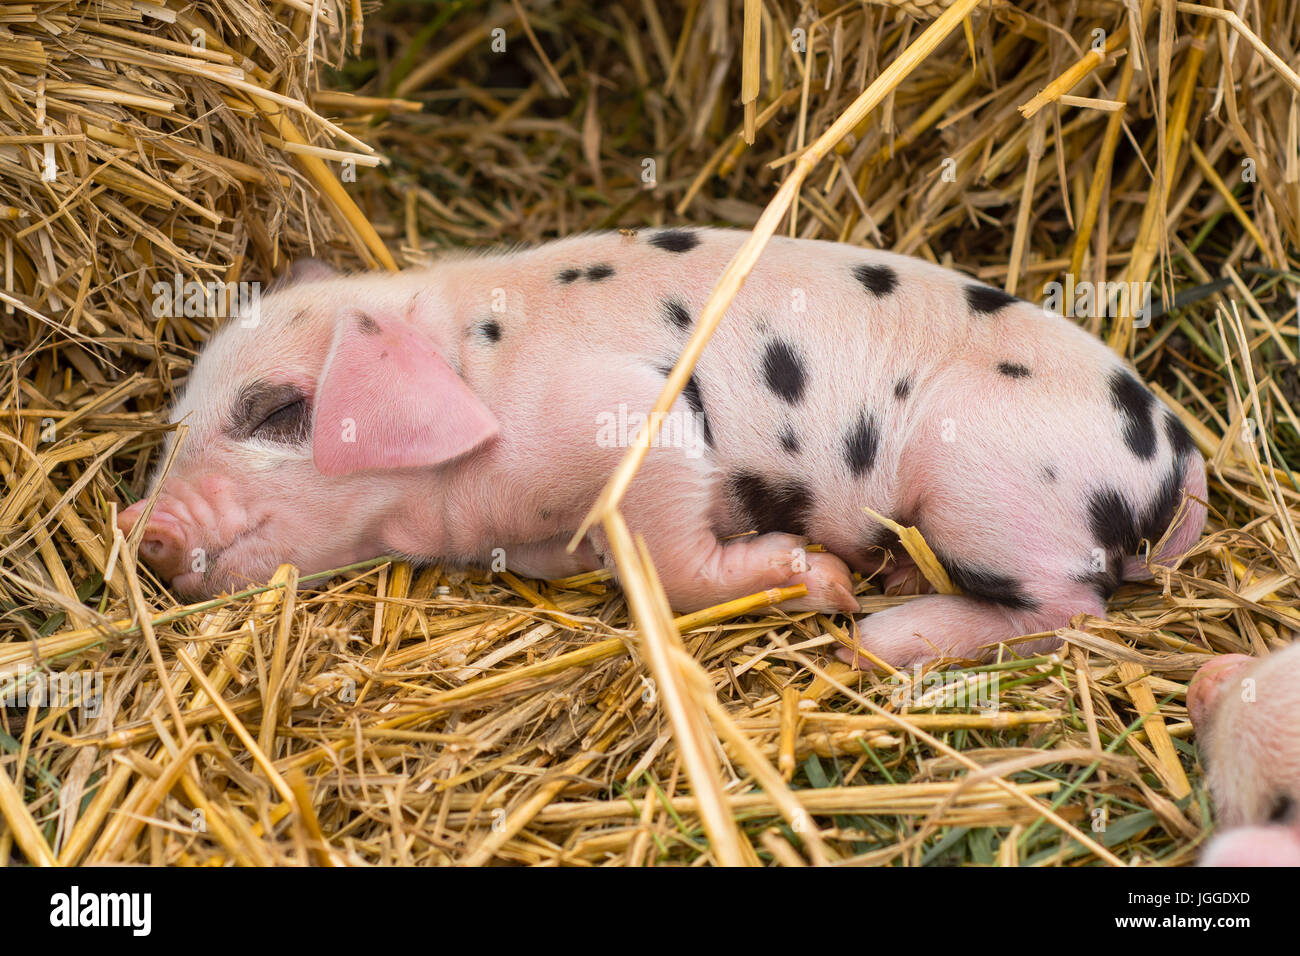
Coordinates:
(288, 424)
(270, 410)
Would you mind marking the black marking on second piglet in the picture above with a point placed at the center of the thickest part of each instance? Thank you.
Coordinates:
(861, 444)
(1131, 398)
(490, 330)
(988, 585)
(677, 313)
(986, 300)
(366, 325)
(783, 370)
(1013, 370)
(781, 505)
(902, 388)
(675, 240)
(568, 275)
(789, 440)
(877, 279)
(1049, 474)
(599, 272)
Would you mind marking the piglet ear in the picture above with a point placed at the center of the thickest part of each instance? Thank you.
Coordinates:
(303, 270)
(387, 399)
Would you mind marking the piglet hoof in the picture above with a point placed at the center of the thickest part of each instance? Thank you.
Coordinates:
(894, 657)
(829, 583)
(906, 578)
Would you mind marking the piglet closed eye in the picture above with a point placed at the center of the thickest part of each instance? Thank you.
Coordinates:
(1246, 712)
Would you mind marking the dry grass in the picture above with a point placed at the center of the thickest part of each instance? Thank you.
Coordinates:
(399, 715)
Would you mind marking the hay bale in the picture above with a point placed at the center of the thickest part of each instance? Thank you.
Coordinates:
(141, 141)
(400, 715)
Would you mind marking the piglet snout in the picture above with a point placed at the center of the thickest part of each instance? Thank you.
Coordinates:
(1210, 683)
(1254, 846)
(163, 542)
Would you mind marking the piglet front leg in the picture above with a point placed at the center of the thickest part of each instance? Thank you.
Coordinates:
(551, 559)
(670, 508)
(713, 572)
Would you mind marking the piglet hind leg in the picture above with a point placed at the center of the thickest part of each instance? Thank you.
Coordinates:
(1032, 484)
(1011, 583)
(964, 627)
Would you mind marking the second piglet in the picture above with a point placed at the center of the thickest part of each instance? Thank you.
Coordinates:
(1246, 712)
(475, 408)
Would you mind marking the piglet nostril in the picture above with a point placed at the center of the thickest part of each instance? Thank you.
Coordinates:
(164, 548)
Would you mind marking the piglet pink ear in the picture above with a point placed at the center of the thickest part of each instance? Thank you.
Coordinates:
(300, 271)
(387, 399)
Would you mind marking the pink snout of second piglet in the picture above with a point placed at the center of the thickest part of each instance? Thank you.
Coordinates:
(1247, 716)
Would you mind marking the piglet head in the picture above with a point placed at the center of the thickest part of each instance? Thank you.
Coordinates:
(308, 425)
(1246, 712)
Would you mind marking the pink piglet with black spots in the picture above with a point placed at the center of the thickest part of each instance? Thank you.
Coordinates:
(476, 408)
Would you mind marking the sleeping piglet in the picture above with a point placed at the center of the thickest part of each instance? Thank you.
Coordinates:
(471, 412)
(1246, 712)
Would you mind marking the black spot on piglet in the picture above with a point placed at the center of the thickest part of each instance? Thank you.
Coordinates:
(599, 271)
(675, 240)
(677, 313)
(1119, 528)
(783, 370)
(491, 330)
(696, 400)
(1133, 401)
(1104, 582)
(861, 444)
(1282, 810)
(876, 279)
(789, 441)
(902, 388)
(986, 300)
(568, 275)
(1113, 523)
(1179, 438)
(988, 585)
(1160, 513)
(1013, 370)
(767, 506)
